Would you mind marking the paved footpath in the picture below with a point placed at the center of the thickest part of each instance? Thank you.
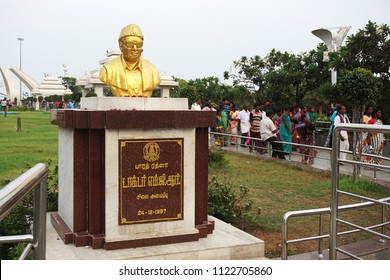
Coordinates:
(322, 162)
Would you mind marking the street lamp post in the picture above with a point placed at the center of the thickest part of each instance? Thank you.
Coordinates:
(20, 67)
(332, 37)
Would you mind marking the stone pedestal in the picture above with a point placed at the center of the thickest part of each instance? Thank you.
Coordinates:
(135, 177)
(134, 103)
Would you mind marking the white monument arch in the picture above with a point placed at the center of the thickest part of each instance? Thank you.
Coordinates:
(50, 85)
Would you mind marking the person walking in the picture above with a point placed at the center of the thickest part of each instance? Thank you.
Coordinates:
(286, 130)
(341, 118)
(219, 141)
(233, 124)
(303, 122)
(197, 105)
(244, 123)
(364, 145)
(375, 140)
(225, 125)
(4, 104)
(311, 134)
(268, 134)
(255, 119)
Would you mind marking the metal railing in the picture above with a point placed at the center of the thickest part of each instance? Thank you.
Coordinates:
(321, 236)
(335, 165)
(14, 192)
(324, 211)
(356, 171)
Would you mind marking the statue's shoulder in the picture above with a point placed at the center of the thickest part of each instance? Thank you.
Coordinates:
(113, 63)
(148, 65)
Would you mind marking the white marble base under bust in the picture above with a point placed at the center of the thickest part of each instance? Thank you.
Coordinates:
(134, 103)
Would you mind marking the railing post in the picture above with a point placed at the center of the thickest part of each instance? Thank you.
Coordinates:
(39, 223)
(269, 146)
(334, 194)
(382, 240)
(354, 156)
(320, 241)
(284, 238)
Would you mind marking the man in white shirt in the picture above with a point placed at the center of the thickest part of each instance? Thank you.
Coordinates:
(268, 134)
(4, 104)
(196, 106)
(340, 118)
(245, 124)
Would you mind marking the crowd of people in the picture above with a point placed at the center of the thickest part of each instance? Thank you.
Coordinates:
(46, 105)
(263, 125)
(5, 103)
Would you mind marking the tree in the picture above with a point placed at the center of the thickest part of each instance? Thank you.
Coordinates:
(358, 87)
(284, 78)
(251, 72)
(209, 88)
(189, 92)
(91, 93)
(67, 97)
(239, 95)
(369, 48)
(70, 83)
(280, 77)
(321, 96)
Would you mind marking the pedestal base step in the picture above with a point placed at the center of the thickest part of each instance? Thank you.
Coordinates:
(226, 243)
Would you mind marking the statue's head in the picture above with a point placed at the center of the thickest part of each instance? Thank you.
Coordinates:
(131, 42)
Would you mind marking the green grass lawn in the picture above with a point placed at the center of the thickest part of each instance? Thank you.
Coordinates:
(275, 187)
(37, 142)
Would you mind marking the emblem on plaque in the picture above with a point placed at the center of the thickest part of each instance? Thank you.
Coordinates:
(151, 151)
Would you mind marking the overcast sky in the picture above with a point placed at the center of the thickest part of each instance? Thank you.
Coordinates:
(187, 39)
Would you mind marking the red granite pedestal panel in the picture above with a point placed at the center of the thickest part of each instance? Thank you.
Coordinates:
(89, 169)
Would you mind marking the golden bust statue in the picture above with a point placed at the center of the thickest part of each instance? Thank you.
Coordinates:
(130, 74)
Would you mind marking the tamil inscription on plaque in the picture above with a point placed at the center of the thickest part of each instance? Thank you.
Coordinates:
(150, 180)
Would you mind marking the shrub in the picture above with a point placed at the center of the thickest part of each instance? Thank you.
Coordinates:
(52, 187)
(19, 220)
(91, 94)
(225, 204)
(20, 108)
(217, 158)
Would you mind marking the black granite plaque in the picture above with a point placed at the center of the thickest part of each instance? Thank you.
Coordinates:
(150, 180)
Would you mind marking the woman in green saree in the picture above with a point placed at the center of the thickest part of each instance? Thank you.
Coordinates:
(286, 130)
